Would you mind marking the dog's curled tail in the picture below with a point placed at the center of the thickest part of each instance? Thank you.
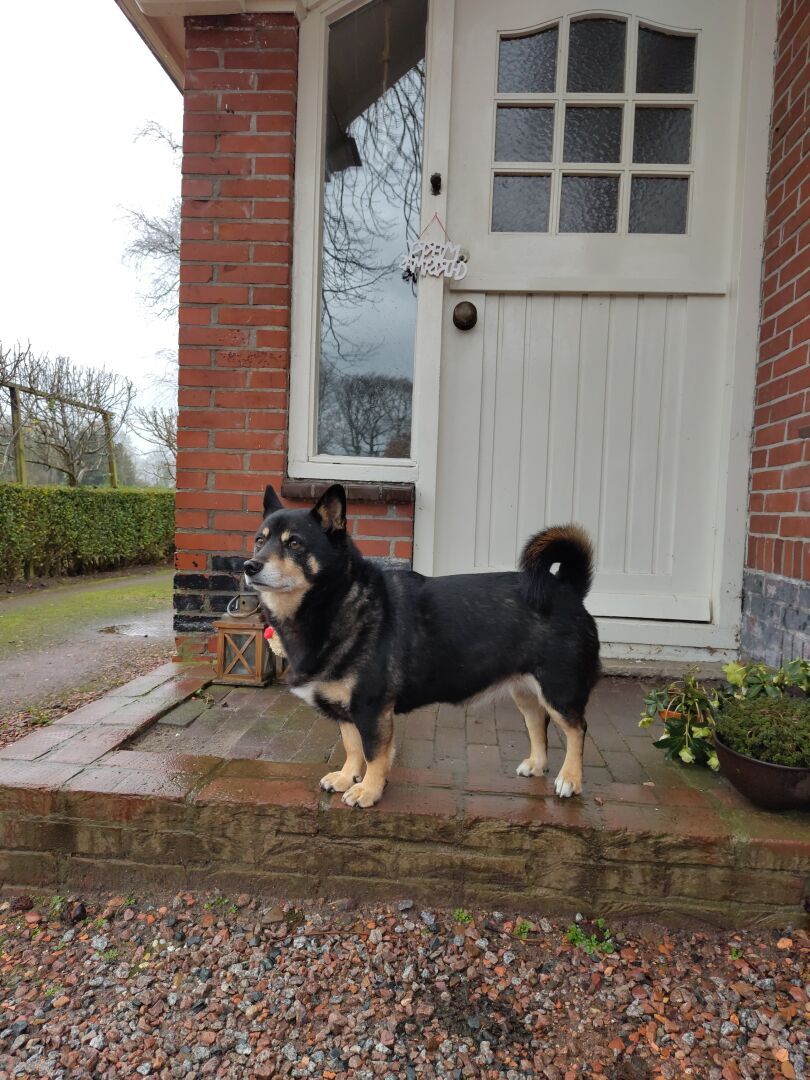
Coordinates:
(568, 545)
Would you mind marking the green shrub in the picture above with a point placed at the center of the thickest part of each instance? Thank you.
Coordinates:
(776, 730)
(61, 530)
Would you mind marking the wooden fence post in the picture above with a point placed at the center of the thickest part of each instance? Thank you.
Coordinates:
(110, 450)
(17, 436)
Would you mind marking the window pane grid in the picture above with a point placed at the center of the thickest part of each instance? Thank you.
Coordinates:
(624, 169)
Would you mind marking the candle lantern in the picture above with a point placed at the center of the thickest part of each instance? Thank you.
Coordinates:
(243, 658)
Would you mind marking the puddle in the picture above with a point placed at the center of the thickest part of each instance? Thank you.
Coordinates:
(136, 629)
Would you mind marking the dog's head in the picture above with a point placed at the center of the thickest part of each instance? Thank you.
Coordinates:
(293, 549)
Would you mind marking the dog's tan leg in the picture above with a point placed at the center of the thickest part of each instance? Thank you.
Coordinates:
(569, 778)
(536, 719)
(379, 752)
(352, 771)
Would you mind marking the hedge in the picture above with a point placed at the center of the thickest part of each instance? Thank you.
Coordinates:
(61, 530)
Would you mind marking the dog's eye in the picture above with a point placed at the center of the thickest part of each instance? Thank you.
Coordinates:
(294, 543)
(259, 541)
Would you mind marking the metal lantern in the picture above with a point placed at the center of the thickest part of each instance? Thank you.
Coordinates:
(243, 658)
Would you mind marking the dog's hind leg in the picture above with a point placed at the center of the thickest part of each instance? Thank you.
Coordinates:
(569, 778)
(352, 771)
(528, 701)
(379, 749)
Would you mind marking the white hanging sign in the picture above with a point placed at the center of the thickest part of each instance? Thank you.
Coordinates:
(425, 257)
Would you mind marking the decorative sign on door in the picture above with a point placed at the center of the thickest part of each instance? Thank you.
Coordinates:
(429, 258)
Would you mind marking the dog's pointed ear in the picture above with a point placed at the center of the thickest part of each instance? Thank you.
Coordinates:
(271, 501)
(330, 509)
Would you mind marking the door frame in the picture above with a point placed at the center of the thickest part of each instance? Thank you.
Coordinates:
(304, 329)
(659, 638)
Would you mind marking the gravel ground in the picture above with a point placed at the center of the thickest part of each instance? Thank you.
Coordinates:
(209, 986)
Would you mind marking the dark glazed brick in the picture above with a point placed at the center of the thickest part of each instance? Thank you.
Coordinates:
(185, 624)
(207, 582)
(229, 564)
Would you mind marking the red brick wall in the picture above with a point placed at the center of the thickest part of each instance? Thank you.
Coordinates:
(778, 556)
(779, 533)
(236, 260)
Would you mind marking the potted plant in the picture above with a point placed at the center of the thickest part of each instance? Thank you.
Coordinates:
(756, 727)
(763, 745)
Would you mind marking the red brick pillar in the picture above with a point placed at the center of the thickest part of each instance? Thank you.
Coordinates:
(239, 151)
(776, 615)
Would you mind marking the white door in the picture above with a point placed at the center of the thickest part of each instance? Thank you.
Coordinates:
(591, 179)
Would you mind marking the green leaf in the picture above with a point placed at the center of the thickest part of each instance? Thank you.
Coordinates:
(686, 755)
(712, 761)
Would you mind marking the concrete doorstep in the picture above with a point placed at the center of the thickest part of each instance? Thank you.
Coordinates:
(177, 783)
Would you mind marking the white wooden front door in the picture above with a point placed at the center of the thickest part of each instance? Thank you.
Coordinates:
(592, 178)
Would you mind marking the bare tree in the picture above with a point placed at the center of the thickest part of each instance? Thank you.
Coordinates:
(157, 426)
(64, 423)
(357, 223)
(154, 244)
(366, 415)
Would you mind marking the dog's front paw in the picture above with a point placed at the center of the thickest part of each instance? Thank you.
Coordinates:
(531, 768)
(362, 794)
(567, 785)
(339, 781)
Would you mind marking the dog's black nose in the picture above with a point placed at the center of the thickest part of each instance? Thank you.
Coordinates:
(252, 567)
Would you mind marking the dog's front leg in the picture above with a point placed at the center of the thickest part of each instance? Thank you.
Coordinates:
(352, 771)
(379, 749)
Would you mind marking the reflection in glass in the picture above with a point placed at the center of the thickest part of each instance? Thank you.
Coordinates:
(592, 134)
(589, 204)
(374, 122)
(523, 134)
(520, 203)
(528, 65)
(596, 49)
(662, 136)
(658, 204)
(666, 62)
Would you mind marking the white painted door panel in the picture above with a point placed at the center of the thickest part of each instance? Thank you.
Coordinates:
(588, 389)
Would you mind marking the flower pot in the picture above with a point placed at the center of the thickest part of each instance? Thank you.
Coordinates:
(774, 787)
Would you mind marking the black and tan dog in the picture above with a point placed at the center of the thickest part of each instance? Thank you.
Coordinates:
(364, 643)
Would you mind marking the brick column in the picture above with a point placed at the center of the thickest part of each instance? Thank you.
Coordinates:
(236, 255)
(776, 613)
(238, 157)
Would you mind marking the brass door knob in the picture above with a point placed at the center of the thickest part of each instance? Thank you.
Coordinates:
(465, 315)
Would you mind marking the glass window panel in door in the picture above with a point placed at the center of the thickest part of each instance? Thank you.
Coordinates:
(589, 204)
(662, 136)
(524, 134)
(375, 103)
(596, 53)
(528, 64)
(520, 203)
(592, 134)
(666, 62)
(658, 204)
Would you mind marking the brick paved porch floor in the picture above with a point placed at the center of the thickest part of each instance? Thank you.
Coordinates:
(174, 782)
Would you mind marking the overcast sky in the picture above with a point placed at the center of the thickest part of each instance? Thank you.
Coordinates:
(77, 84)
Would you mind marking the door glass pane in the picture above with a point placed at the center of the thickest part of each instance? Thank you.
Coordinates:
(666, 62)
(528, 65)
(592, 134)
(589, 203)
(520, 203)
(523, 134)
(596, 49)
(374, 120)
(662, 136)
(658, 204)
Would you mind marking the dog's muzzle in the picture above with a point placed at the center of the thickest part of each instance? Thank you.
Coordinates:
(265, 576)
